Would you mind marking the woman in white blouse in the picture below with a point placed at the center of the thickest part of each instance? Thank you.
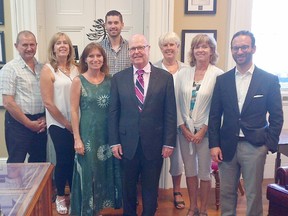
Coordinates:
(55, 82)
(194, 87)
(169, 45)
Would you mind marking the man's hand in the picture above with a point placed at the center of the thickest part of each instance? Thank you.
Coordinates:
(216, 154)
(10, 105)
(42, 124)
(166, 152)
(117, 151)
(38, 125)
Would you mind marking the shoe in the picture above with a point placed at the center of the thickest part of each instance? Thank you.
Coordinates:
(178, 204)
(61, 207)
(194, 212)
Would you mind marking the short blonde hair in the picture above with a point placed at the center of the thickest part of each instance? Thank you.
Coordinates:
(169, 37)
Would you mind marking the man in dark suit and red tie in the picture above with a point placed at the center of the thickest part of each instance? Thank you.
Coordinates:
(240, 141)
(142, 125)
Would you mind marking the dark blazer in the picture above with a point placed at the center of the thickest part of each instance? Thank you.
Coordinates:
(263, 97)
(155, 126)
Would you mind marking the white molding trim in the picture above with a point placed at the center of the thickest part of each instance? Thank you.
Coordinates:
(161, 20)
(23, 17)
(3, 160)
(240, 19)
(70, 28)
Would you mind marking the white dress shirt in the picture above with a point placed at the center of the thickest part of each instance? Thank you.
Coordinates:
(242, 81)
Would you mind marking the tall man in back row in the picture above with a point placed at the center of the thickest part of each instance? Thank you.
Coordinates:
(25, 125)
(115, 46)
(243, 97)
(142, 125)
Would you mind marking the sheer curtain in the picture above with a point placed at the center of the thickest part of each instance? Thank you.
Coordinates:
(270, 30)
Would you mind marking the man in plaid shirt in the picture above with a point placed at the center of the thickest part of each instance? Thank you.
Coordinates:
(25, 125)
(115, 46)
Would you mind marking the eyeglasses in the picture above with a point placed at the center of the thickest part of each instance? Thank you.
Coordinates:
(244, 48)
(139, 48)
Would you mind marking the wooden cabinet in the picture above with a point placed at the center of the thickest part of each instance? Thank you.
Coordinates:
(26, 189)
(282, 149)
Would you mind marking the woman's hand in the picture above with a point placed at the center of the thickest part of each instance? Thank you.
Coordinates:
(187, 133)
(68, 126)
(79, 147)
(198, 137)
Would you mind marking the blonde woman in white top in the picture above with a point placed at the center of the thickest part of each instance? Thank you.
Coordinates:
(194, 88)
(55, 82)
(169, 44)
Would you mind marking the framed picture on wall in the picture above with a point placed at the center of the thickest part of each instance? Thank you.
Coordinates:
(187, 37)
(1, 12)
(200, 6)
(75, 47)
(2, 48)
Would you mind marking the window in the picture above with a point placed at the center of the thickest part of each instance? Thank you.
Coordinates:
(270, 29)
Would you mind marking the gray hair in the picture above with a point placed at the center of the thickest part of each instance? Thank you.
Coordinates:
(169, 37)
(26, 33)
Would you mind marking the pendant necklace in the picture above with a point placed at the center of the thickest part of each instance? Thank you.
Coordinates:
(65, 73)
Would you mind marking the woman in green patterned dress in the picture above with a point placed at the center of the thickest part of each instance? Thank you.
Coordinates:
(96, 179)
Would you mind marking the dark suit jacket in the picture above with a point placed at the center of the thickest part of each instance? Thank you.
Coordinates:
(155, 125)
(263, 97)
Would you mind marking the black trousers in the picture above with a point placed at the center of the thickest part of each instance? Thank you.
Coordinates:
(20, 140)
(149, 172)
(63, 142)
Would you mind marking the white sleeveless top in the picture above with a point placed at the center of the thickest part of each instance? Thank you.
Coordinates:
(62, 85)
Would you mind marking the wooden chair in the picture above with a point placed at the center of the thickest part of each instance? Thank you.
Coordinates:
(215, 173)
(277, 193)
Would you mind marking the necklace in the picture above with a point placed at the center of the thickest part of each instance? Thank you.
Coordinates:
(65, 72)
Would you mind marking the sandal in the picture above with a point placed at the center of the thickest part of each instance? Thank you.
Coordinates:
(178, 204)
(194, 212)
(61, 207)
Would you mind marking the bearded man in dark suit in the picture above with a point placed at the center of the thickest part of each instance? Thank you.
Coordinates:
(142, 125)
(243, 97)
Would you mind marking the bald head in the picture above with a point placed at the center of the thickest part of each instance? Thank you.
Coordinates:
(139, 51)
(137, 37)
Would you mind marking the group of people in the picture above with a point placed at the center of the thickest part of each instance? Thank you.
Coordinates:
(110, 132)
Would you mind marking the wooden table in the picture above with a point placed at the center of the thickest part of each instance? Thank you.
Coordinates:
(282, 149)
(26, 189)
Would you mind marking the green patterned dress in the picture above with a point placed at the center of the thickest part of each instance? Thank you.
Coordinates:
(96, 178)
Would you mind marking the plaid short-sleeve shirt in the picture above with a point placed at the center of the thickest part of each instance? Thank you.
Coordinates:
(117, 60)
(18, 80)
